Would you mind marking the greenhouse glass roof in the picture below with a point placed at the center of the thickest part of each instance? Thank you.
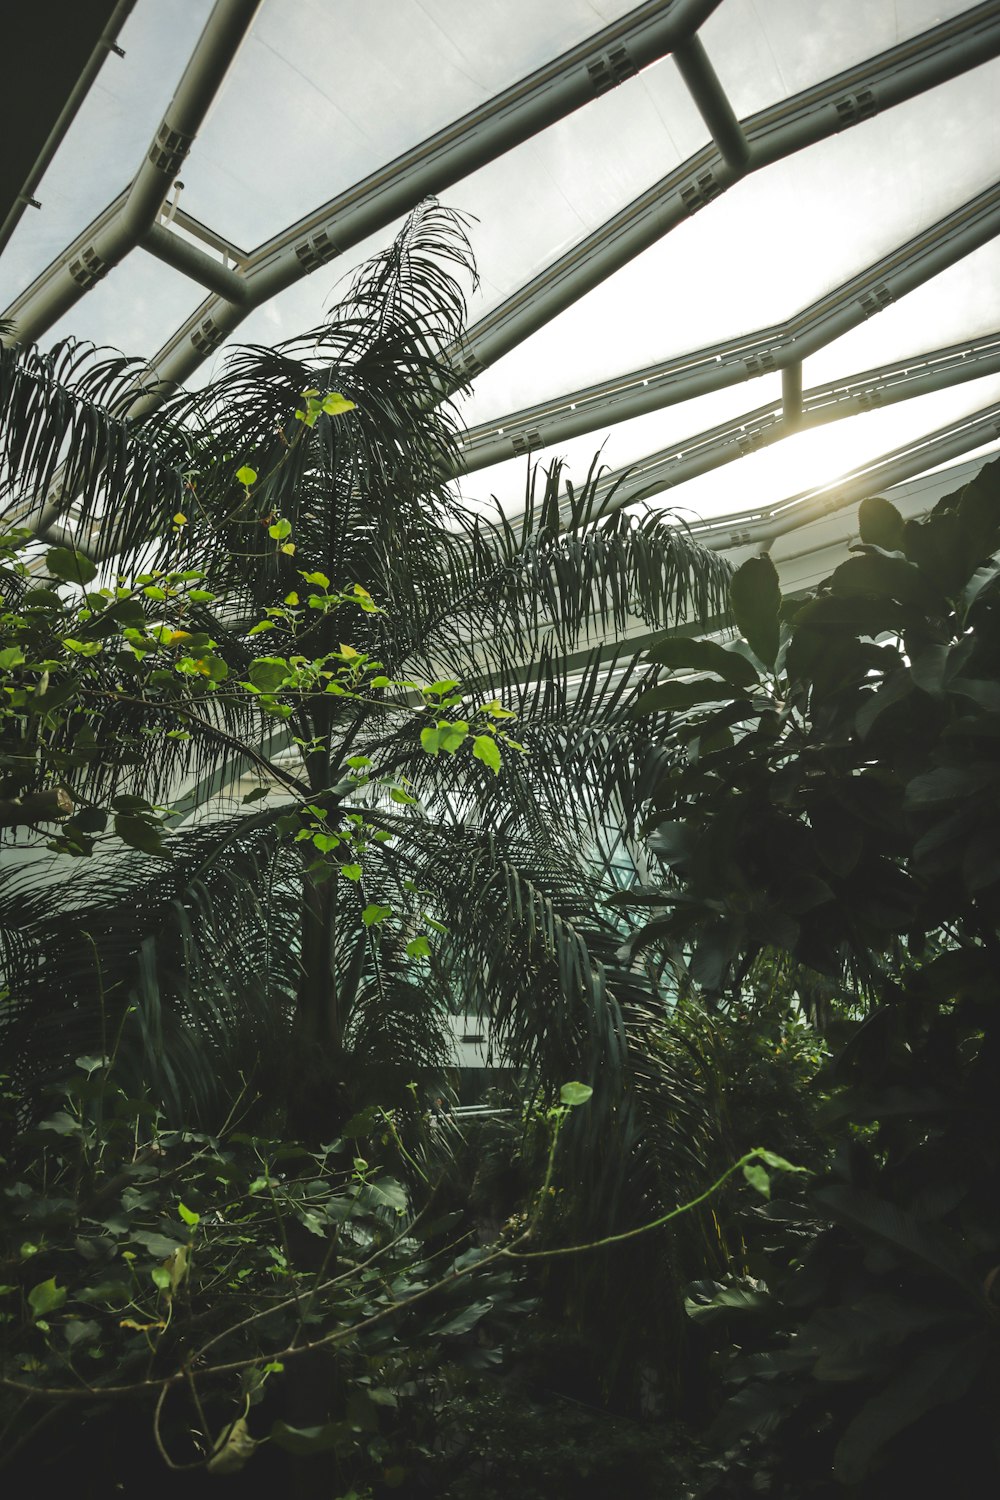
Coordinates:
(743, 246)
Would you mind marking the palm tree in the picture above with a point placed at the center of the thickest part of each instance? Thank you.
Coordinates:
(241, 949)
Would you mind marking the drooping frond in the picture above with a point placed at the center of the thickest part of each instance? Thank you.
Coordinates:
(183, 970)
(64, 437)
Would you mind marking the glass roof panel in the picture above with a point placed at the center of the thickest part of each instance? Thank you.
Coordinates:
(109, 137)
(625, 443)
(811, 459)
(133, 310)
(765, 50)
(325, 92)
(770, 246)
(960, 304)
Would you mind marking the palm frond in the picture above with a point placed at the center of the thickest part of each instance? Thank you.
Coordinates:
(63, 437)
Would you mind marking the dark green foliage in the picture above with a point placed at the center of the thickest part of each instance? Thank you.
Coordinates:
(848, 815)
(270, 945)
(500, 1442)
(308, 1302)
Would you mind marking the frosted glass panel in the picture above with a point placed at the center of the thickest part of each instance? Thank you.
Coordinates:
(134, 309)
(809, 460)
(960, 304)
(625, 443)
(768, 247)
(327, 91)
(765, 50)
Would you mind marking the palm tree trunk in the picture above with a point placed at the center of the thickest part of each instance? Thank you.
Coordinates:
(318, 1017)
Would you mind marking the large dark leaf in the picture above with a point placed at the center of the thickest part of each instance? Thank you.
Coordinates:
(756, 602)
(880, 523)
(707, 656)
(934, 1377)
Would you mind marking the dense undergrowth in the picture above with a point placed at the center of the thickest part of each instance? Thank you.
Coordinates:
(242, 1240)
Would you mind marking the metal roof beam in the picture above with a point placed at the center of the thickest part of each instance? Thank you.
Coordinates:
(791, 396)
(549, 94)
(934, 57)
(935, 370)
(975, 431)
(720, 366)
(133, 214)
(713, 104)
(187, 258)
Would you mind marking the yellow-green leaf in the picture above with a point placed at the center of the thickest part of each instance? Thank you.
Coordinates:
(486, 749)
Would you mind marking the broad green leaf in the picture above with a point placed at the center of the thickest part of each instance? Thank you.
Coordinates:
(874, 1218)
(256, 795)
(875, 575)
(677, 697)
(418, 947)
(756, 602)
(386, 1192)
(758, 1179)
(268, 673)
(71, 566)
(374, 914)
(430, 739)
(233, 1447)
(11, 656)
(485, 748)
(91, 1064)
(81, 1331)
(188, 1215)
(279, 530)
(141, 833)
(712, 1301)
(706, 656)
(452, 736)
(778, 1163)
(465, 1320)
(880, 524)
(351, 872)
(334, 404)
(46, 1297)
(246, 475)
(572, 1094)
(931, 1377)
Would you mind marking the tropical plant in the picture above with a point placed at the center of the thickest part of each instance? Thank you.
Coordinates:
(839, 802)
(208, 1300)
(391, 860)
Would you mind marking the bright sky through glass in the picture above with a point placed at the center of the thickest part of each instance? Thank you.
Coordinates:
(324, 92)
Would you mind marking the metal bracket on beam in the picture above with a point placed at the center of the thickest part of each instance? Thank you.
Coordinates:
(187, 258)
(791, 395)
(713, 104)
